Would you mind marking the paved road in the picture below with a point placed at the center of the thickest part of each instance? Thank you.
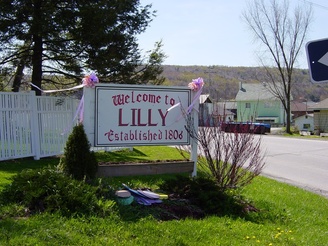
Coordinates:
(301, 162)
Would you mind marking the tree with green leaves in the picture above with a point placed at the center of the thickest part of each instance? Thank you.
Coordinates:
(55, 41)
(282, 32)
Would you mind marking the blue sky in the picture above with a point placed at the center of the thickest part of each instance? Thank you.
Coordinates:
(211, 32)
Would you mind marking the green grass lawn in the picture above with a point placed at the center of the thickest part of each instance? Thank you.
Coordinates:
(286, 215)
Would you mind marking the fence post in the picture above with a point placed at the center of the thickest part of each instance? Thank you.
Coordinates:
(35, 135)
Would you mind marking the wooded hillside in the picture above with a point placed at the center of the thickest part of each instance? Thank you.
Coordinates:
(222, 82)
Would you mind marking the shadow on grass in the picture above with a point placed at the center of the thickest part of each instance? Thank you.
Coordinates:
(195, 199)
(165, 211)
(183, 209)
(17, 165)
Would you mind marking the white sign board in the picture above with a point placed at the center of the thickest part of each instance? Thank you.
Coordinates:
(130, 115)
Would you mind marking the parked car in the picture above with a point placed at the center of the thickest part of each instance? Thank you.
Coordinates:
(246, 127)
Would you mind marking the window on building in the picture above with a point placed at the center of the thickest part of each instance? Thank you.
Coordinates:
(306, 126)
(248, 105)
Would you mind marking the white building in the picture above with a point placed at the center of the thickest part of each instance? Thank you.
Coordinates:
(305, 123)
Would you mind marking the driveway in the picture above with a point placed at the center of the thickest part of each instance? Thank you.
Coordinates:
(300, 162)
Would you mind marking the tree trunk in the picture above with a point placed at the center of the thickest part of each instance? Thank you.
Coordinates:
(288, 117)
(37, 47)
(37, 64)
(18, 76)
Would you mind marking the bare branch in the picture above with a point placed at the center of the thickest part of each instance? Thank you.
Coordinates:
(232, 159)
(282, 32)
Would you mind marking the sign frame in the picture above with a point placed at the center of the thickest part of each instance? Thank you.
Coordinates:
(317, 57)
(130, 117)
(191, 105)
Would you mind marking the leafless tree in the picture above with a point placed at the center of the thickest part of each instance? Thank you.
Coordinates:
(233, 159)
(282, 31)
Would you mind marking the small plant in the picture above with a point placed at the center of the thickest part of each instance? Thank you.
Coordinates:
(232, 159)
(294, 130)
(204, 193)
(48, 190)
(78, 161)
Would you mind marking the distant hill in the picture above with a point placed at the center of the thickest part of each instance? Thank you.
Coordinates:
(222, 82)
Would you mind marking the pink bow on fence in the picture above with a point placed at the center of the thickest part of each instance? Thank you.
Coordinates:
(88, 81)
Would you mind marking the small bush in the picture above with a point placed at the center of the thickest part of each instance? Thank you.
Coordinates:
(47, 190)
(205, 193)
(78, 161)
(232, 159)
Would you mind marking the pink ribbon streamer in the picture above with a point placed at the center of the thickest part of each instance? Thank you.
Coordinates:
(51, 91)
(195, 99)
(80, 110)
(87, 81)
(195, 85)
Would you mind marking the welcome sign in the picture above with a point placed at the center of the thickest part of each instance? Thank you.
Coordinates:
(130, 115)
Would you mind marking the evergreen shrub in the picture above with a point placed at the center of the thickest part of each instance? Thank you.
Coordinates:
(78, 161)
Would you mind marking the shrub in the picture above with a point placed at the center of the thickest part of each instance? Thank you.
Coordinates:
(78, 161)
(47, 190)
(232, 159)
(205, 194)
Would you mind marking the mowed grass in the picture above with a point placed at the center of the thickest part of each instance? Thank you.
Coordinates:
(286, 215)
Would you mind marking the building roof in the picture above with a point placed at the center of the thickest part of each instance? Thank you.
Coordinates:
(254, 92)
(304, 116)
(297, 106)
(320, 105)
(205, 98)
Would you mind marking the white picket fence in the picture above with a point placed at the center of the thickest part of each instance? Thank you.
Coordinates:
(32, 126)
(37, 127)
